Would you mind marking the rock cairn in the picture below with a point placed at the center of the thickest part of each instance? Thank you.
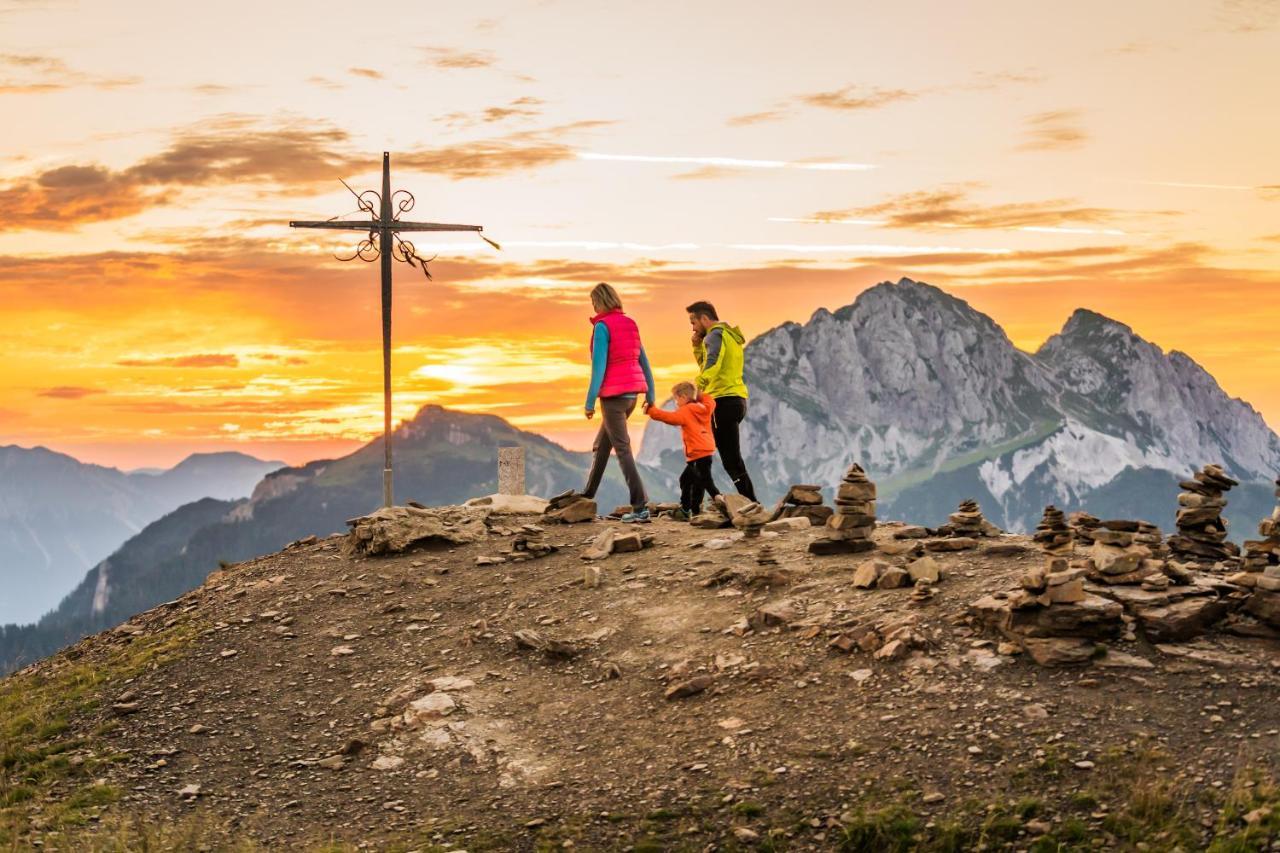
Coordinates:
(529, 544)
(1051, 616)
(803, 501)
(1202, 531)
(1123, 552)
(968, 521)
(765, 556)
(850, 527)
(1052, 533)
(1262, 569)
(1261, 553)
(1082, 525)
(569, 508)
(750, 519)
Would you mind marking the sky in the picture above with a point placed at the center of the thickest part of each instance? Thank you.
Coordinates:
(1030, 158)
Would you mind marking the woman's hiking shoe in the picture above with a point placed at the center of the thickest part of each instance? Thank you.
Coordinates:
(638, 516)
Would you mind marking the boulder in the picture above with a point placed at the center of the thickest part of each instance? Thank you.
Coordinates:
(573, 511)
(392, 530)
(1060, 651)
(1110, 560)
(1182, 620)
(786, 525)
(955, 543)
(925, 569)
(510, 504)
(892, 578)
(804, 495)
(868, 573)
(1265, 606)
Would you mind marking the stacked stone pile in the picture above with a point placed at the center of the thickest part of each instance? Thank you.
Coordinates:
(1202, 531)
(803, 501)
(529, 544)
(1051, 615)
(1052, 533)
(968, 521)
(1117, 555)
(1263, 552)
(1262, 569)
(750, 519)
(1083, 524)
(850, 527)
(766, 557)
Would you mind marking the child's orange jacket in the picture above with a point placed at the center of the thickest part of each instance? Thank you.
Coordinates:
(694, 420)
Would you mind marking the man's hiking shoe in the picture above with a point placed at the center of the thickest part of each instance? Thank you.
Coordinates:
(679, 515)
(639, 516)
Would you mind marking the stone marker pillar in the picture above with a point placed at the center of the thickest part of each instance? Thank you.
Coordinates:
(511, 471)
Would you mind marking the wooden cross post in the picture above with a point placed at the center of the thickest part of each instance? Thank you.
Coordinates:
(385, 224)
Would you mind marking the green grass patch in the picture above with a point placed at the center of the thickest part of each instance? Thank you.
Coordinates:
(47, 763)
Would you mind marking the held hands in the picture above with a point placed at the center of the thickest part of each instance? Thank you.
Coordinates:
(591, 413)
(644, 407)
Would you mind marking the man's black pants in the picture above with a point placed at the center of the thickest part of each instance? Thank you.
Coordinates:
(729, 413)
(695, 482)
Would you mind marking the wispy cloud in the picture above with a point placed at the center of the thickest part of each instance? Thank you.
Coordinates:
(454, 58)
(518, 108)
(236, 149)
(857, 98)
(26, 74)
(189, 360)
(953, 207)
(1056, 130)
(367, 73)
(69, 392)
(1249, 16)
(728, 162)
(865, 249)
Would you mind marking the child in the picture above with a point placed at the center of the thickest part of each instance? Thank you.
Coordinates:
(693, 416)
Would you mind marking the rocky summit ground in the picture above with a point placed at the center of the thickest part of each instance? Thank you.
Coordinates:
(692, 700)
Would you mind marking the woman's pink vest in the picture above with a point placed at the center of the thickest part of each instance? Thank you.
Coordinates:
(622, 375)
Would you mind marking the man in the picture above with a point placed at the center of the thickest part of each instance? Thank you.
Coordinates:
(717, 347)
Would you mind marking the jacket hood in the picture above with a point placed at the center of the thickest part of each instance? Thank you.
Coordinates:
(731, 330)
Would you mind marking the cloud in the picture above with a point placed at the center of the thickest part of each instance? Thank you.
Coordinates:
(729, 162)
(951, 207)
(26, 74)
(1054, 131)
(857, 98)
(1249, 16)
(367, 73)
(524, 107)
(194, 360)
(757, 117)
(486, 158)
(69, 392)
(454, 58)
(236, 149)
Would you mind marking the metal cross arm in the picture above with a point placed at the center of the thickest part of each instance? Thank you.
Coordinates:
(394, 225)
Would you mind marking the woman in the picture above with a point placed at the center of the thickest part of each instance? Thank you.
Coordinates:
(619, 373)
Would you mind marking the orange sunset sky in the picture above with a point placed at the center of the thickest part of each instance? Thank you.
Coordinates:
(1029, 157)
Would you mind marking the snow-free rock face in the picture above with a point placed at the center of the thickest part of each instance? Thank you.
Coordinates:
(932, 398)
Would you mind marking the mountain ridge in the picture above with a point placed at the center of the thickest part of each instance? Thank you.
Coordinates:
(914, 383)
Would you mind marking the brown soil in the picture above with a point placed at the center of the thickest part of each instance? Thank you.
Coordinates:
(787, 747)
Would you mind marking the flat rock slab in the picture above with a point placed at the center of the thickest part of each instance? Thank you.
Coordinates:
(510, 504)
(392, 530)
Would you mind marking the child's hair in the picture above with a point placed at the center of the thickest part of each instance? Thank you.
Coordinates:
(605, 298)
(685, 389)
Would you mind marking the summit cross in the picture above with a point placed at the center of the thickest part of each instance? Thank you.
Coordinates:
(385, 243)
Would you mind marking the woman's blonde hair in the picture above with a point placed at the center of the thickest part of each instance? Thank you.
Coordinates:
(605, 298)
